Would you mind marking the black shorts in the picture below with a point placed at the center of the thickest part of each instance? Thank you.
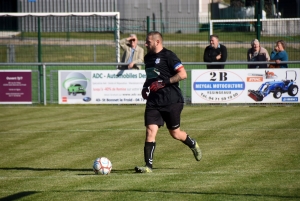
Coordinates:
(169, 114)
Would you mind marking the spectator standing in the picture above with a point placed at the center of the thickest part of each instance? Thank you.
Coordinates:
(257, 53)
(215, 52)
(279, 54)
(133, 53)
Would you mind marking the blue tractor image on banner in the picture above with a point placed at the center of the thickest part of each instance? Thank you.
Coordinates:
(276, 87)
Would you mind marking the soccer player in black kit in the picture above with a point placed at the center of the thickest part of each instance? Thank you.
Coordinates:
(164, 99)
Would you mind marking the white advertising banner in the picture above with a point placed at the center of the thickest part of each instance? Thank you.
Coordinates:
(245, 86)
(101, 87)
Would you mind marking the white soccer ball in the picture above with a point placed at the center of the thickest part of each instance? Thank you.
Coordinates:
(102, 166)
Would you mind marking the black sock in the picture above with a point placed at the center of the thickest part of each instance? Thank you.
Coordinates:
(148, 153)
(189, 142)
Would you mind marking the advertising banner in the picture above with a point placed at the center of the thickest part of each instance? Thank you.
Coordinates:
(15, 87)
(101, 87)
(245, 86)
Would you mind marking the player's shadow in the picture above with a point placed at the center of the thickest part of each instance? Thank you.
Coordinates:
(18, 195)
(122, 171)
(45, 169)
(24, 194)
(89, 171)
(113, 171)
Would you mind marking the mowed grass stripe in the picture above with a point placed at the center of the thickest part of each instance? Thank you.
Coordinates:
(249, 153)
(142, 129)
(116, 173)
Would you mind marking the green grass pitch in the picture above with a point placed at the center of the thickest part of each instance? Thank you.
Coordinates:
(249, 153)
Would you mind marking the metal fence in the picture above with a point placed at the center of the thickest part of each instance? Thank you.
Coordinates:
(97, 44)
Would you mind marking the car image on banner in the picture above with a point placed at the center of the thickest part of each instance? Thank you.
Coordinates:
(74, 86)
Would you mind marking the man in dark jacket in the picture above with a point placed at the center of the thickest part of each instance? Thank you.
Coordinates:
(215, 52)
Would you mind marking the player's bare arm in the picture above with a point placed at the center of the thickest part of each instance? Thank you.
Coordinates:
(181, 75)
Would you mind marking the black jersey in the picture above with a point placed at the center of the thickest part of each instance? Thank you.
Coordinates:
(161, 66)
